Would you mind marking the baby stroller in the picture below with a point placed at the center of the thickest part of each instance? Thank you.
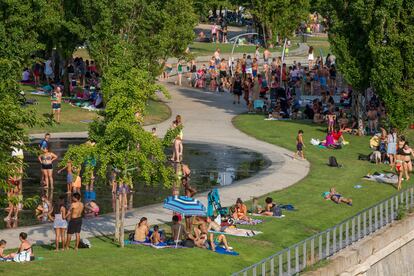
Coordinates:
(214, 204)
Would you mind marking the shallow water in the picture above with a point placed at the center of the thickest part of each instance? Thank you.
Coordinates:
(211, 165)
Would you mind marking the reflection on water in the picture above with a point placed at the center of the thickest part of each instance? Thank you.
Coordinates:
(211, 165)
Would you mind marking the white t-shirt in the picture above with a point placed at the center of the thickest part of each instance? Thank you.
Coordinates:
(48, 67)
(26, 75)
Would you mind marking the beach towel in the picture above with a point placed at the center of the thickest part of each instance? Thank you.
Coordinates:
(388, 178)
(223, 251)
(40, 93)
(252, 222)
(158, 246)
(260, 215)
(243, 233)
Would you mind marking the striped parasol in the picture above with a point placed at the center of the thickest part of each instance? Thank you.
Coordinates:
(185, 205)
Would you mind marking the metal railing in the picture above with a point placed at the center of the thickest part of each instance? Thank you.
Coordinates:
(319, 247)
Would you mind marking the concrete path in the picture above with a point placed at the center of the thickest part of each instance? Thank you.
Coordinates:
(207, 117)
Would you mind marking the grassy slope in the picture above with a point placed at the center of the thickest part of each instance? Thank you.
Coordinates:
(71, 116)
(199, 48)
(314, 215)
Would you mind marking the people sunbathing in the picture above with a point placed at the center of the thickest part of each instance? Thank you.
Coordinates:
(24, 252)
(336, 197)
(142, 230)
(271, 209)
(240, 211)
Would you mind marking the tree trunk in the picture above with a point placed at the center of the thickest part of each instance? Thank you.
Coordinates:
(66, 81)
(117, 218)
(358, 111)
(122, 230)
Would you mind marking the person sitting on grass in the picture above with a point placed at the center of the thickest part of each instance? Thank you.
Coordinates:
(336, 197)
(2, 247)
(142, 230)
(178, 232)
(155, 236)
(271, 209)
(240, 211)
(25, 247)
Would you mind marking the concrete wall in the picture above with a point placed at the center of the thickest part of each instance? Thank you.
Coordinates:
(399, 263)
(388, 252)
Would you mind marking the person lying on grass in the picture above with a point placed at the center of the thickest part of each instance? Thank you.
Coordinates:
(232, 230)
(203, 240)
(336, 197)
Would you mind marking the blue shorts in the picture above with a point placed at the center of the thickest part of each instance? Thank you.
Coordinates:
(69, 178)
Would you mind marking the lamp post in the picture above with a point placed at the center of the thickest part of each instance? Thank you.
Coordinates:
(236, 39)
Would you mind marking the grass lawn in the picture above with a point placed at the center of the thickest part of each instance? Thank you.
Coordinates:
(199, 48)
(314, 214)
(74, 119)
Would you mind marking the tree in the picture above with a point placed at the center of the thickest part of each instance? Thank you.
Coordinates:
(278, 17)
(129, 40)
(18, 36)
(373, 42)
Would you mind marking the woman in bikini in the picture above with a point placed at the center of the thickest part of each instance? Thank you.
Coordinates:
(240, 211)
(399, 166)
(46, 160)
(407, 152)
(178, 141)
(24, 248)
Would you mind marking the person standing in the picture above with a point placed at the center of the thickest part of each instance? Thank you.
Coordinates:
(217, 57)
(299, 145)
(237, 88)
(69, 176)
(214, 30)
(266, 56)
(46, 160)
(60, 224)
(56, 103)
(179, 73)
(49, 70)
(310, 57)
(75, 223)
(392, 146)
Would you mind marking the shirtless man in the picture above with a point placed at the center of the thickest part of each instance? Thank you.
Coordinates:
(178, 232)
(75, 224)
(266, 56)
(56, 100)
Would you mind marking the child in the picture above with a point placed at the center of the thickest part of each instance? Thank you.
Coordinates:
(155, 237)
(331, 121)
(92, 208)
(2, 247)
(154, 132)
(76, 186)
(299, 145)
(69, 176)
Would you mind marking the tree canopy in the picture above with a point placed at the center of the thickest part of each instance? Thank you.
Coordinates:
(373, 42)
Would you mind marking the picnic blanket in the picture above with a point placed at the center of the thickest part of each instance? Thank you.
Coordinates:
(241, 233)
(388, 178)
(159, 246)
(252, 222)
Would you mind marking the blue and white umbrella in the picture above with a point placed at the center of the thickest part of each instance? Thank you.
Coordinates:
(185, 205)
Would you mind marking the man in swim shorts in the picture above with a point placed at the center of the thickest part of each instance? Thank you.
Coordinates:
(75, 223)
(56, 103)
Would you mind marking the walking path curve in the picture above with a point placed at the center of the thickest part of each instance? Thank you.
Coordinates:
(207, 118)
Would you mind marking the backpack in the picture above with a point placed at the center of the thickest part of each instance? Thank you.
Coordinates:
(277, 211)
(188, 243)
(333, 162)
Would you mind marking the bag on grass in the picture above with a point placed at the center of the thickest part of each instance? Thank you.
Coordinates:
(85, 243)
(333, 162)
(131, 236)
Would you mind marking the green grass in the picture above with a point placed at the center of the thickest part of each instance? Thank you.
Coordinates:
(314, 214)
(199, 48)
(72, 117)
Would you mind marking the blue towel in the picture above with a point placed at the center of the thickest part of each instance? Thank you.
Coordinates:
(221, 250)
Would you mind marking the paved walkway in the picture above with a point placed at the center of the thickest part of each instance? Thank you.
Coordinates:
(207, 118)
